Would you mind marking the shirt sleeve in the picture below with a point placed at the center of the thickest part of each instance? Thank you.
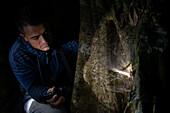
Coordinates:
(27, 75)
(72, 45)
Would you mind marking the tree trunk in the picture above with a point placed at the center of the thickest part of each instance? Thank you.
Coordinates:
(122, 56)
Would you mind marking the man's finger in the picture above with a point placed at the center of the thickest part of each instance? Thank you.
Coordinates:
(51, 89)
(53, 99)
(59, 101)
(62, 99)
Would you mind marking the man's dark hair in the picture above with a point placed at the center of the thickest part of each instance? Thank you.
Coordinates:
(31, 15)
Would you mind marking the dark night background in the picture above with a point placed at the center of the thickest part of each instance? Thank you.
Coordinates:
(65, 16)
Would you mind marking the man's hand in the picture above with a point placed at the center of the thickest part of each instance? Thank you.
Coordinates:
(55, 100)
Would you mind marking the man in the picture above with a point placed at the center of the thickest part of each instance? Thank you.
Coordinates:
(41, 65)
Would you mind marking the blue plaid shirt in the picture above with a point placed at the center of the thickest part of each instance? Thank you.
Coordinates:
(38, 70)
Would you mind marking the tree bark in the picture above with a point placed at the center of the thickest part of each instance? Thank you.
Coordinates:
(122, 52)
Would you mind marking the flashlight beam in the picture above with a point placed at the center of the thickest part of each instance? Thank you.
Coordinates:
(121, 72)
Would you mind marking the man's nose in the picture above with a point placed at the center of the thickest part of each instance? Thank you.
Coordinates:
(42, 39)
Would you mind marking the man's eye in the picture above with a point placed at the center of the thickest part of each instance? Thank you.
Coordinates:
(45, 33)
(35, 38)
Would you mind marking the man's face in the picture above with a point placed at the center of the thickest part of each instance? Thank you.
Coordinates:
(37, 36)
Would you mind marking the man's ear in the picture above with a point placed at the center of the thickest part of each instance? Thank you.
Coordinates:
(23, 36)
